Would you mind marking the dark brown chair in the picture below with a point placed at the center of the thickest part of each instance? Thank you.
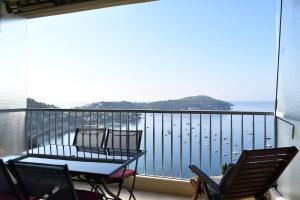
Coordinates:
(252, 176)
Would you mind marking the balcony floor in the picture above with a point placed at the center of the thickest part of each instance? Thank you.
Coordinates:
(143, 195)
(139, 194)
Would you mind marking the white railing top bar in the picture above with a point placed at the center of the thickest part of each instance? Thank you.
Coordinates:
(141, 111)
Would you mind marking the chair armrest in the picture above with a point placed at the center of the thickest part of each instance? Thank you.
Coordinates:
(204, 177)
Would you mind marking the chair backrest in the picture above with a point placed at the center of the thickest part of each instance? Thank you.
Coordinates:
(255, 172)
(89, 137)
(7, 187)
(123, 139)
(43, 180)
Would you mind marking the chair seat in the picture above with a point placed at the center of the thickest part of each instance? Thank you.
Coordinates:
(21, 193)
(10, 196)
(87, 195)
(31, 198)
(119, 174)
(7, 196)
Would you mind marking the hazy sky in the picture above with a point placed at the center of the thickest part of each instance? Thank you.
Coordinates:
(159, 50)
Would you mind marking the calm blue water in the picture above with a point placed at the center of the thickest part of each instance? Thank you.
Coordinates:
(206, 151)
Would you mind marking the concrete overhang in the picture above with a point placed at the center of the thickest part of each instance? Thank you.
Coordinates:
(77, 7)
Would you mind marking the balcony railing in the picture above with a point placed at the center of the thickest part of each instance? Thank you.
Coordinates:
(173, 139)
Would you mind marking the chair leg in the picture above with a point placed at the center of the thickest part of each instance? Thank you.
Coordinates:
(206, 191)
(133, 181)
(132, 187)
(197, 189)
(120, 188)
(99, 190)
(92, 188)
(103, 183)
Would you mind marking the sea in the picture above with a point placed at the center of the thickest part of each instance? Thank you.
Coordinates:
(201, 141)
(170, 149)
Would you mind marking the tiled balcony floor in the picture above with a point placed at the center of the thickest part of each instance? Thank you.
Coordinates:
(143, 195)
(140, 195)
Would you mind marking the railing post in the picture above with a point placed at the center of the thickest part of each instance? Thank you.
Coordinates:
(265, 131)
(30, 125)
(43, 130)
(231, 137)
(221, 142)
(210, 146)
(191, 144)
(180, 145)
(242, 137)
(172, 153)
(162, 145)
(153, 142)
(275, 131)
(26, 130)
(200, 141)
(253, 132)
(145, 142)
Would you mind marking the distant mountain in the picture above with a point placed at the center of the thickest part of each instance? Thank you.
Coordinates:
(31, 103)
(200, 102)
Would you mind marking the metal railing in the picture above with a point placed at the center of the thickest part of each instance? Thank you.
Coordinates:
(173, 139)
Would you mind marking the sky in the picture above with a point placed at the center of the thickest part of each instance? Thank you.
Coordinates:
(159, 50)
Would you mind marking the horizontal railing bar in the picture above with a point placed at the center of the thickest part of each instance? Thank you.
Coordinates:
(144, 111)
(164, 177)
(140, 111)
(13, 110)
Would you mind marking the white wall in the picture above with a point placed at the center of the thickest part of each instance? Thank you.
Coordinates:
(12, 82)
(289, 95)
(288, 184)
